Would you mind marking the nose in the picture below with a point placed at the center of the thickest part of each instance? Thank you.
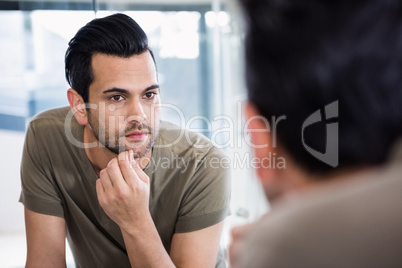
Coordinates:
(136, 112)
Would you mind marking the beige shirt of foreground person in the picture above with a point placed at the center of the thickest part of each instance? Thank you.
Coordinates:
(356, 222)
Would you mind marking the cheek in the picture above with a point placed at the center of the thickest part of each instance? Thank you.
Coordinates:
(153, 114)
(112, 121)
(103, 113)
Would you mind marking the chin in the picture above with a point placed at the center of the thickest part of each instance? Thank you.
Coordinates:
(140, 152)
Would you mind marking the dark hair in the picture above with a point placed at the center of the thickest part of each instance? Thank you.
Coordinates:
(117, 35)
(303, 55)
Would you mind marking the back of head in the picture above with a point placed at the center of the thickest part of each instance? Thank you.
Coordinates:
(117, 35)
(303, 55)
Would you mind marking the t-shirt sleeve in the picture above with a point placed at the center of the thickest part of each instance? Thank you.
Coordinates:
(207, 199)
(39, 192)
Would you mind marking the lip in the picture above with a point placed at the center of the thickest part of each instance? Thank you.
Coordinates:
(137, 135)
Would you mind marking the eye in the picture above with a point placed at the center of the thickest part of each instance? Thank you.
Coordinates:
(117, 98)
(149, 95)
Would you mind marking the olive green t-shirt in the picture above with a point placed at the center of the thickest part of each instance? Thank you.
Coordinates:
(189, 182)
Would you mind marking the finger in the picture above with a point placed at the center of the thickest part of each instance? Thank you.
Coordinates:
(99, 186)
(241, 231)
(239, 235)
(115, 175)
(100, 191)
(105, 180)
(236, 248)
(232, 259)
(140, 173)
(129, 175)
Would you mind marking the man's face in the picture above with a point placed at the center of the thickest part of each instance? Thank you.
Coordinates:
(124, 97)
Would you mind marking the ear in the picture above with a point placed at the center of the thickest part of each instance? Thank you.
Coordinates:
(260, 133)
(77, 105)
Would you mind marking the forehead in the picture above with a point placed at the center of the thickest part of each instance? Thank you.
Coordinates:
(115, 71)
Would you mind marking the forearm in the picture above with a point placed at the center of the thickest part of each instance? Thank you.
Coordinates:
(144, 246)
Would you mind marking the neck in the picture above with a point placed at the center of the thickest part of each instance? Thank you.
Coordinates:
(294, 180)
(100, 156)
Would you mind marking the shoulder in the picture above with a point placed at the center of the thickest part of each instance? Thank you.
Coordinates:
(342, 222)
(53, 125)
(364, 192)
(56, 116)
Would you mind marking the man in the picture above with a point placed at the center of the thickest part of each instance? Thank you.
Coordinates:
(333, 68)
(126, 189)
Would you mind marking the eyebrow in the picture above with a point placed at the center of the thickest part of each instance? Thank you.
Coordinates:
(125, 91)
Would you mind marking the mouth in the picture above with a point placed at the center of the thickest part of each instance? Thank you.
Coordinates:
(137, 136)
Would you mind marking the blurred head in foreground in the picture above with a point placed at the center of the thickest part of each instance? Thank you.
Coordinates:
(324, 81)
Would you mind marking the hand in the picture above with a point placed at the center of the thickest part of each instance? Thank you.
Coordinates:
(123, 191)
(237, 246)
